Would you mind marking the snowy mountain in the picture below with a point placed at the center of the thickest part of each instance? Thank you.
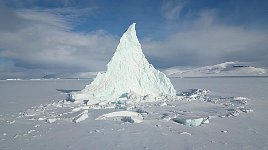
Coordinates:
(128, 74)
(224, 69)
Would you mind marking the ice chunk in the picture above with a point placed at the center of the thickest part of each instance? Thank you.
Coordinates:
(125, 116)
(246, 110)
(51, 120)
(127, 72)
(163, 104)
(224, 131)
(81, 117)
(185, 133)
(30, 131)
(131, 119)
(191, 121)
(193, 93)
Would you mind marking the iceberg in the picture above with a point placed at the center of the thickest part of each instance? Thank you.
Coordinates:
(128, 72)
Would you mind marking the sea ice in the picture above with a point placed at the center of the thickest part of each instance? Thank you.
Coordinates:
(221, 133)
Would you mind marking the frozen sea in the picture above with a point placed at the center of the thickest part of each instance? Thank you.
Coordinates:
(245, 131)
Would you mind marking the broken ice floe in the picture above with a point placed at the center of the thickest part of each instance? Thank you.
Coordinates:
(186, 118)
(192, 94)
(192, 107)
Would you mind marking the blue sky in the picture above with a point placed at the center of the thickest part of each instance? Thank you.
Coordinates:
(40, 37)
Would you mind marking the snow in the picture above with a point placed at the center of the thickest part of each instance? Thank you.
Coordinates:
(213, 98)
(128, 73)
(224, 69)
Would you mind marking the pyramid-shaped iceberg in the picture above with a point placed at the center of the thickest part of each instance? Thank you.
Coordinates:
(127, 72)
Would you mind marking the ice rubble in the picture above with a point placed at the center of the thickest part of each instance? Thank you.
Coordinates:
(192, 107)
(128, 75)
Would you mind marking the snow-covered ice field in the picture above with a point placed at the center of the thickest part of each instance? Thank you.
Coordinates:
(31, 117)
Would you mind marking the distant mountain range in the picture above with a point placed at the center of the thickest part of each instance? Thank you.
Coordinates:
(224, 69)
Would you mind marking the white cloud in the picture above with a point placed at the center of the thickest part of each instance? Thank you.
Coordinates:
(206, 18)
(46, 19)
(45, 41)
(172, 9)
(208, 41)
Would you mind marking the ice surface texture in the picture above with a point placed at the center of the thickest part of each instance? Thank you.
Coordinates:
(127, 72)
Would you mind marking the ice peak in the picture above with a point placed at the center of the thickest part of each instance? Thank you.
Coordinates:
(132, 29)
(127, 72)
(130, 35)
(129, 49)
